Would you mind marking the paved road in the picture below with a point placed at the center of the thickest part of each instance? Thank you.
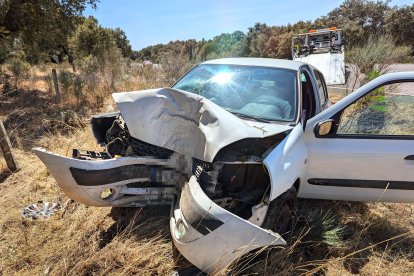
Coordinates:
(404, 89)
(402, 67)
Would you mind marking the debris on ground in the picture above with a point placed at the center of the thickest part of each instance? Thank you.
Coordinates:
(40, 210)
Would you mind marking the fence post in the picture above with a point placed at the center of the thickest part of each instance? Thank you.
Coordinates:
(5, 147)
(56, 85)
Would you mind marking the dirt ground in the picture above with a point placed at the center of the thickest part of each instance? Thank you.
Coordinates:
(329, 238)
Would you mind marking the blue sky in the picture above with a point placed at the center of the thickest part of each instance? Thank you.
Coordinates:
(150, 22)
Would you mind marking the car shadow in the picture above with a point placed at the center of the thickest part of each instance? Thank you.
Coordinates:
(380, 237)
(146, 223)
(150, 222)
(322, 230)
(325, 231)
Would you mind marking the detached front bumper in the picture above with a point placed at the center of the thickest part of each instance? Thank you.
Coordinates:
(125, 181)
(211, 237)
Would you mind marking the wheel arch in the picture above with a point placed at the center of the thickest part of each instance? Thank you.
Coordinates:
(296, 184)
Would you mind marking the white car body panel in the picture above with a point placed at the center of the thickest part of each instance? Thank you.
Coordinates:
(60, 168)
(165, 117)
(217, 249)
(361, 159)
(286, 163)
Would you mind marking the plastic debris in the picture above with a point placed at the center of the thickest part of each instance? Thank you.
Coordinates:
(40, 210)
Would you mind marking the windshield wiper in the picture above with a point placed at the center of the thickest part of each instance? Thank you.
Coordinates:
(245, 116)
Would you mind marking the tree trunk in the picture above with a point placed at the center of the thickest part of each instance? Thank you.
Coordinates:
(56, 84)
(5, 147)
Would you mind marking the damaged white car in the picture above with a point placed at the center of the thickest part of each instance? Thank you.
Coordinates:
(234, 143)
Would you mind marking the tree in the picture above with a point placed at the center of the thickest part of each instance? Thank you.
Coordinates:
(122, 42)
(95, 49)
(272, 42)
(249, 48)
(375, 56)
(400, 23)
(90, 38)
(42, 26)
(358, 18)
(224, 45)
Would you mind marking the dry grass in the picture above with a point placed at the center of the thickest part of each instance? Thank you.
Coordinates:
(360, 238)
(330, 238)
(80, 240)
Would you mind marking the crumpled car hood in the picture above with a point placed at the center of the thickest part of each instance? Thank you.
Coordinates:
(186, 123)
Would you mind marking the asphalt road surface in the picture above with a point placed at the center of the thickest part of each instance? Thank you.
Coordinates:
(403, 89)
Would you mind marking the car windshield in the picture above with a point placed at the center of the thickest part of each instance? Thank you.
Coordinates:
(250, 92)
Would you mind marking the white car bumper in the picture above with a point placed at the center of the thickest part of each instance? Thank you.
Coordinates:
(211, 237)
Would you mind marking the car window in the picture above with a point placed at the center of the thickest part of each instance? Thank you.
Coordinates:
(321, 88)
(247, 91)
(387, 110)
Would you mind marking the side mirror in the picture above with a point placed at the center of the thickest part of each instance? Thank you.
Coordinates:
(324, 128)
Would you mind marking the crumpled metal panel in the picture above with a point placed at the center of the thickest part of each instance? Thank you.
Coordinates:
(89, 193)
(214, 250)
(186, 123)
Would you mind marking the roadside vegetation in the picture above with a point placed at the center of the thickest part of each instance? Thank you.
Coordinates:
(329, 237)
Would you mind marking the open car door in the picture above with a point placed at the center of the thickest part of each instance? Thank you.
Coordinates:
(362, 148)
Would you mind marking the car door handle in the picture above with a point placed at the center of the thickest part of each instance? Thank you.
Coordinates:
(409, 157)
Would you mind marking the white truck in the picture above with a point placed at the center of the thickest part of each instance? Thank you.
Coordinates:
(323, 49)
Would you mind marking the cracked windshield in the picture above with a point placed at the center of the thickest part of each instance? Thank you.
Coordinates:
(257, 93)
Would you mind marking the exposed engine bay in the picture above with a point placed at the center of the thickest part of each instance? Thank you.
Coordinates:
(236, 180)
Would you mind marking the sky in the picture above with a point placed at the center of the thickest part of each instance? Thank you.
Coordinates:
(155, 21)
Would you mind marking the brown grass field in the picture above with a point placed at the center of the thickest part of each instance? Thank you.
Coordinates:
(330, 237)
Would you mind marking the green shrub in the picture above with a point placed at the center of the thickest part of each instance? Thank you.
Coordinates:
(47, 79)
(89, 70)
(71, 85)
(18, 68)
(78, 89)
(66, 81)
(376, 99)
(375, 57)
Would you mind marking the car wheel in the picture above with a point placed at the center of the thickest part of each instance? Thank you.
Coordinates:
(281, 211)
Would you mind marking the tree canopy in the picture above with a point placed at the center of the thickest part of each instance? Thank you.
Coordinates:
(35, 29)
(360, 19)
(40, 27)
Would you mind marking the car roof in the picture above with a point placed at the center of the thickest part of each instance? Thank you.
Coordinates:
(265, 62)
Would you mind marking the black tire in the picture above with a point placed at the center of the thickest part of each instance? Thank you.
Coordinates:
(281, 212)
